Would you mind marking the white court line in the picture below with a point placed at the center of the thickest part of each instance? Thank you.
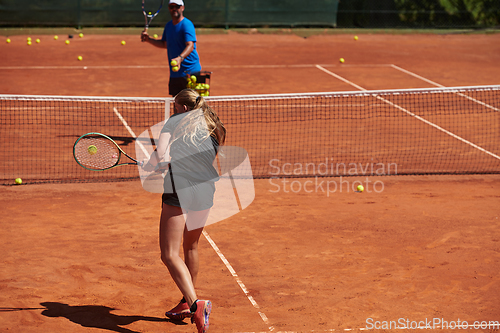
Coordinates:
(441, 86)
(82, 67)
(238, 280)
(205, 66)
(130, 130)
(417, 76)
(412, 114)
(340, 78)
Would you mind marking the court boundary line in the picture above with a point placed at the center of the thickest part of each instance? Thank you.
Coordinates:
(207, 66)
(238, 280)
(411, 113)
(129, 129)
(441, 86)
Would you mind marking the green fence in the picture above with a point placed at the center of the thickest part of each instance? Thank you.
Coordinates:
(273, 13)
(223, 13)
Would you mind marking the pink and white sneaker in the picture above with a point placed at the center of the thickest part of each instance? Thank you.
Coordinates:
(200, 316)
(180, 312)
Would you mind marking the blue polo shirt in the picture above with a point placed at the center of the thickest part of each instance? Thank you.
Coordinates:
(176, 37)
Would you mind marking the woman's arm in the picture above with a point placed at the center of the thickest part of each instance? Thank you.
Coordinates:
(161, 152)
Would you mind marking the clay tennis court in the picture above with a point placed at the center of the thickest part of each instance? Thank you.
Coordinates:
(85, 257)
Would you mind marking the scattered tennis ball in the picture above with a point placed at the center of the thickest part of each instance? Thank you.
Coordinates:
(355, 37)
(173, 63)
(67, 42)
(175, 69)
(28, 42)
(360, 188)
(80, 35)
(18, 181)
(123, 42)
(341, 60)
(149, 13)
(37, 41)
(80, 58)
(56, 37)
(8, 40)
(155, 36)
(28, 39)
(92, 149)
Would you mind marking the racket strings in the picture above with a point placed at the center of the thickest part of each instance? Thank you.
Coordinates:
(151, 7)
(96, 153)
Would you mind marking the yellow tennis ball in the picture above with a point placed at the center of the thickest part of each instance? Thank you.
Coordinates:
(173, 63)
(56, 37)
(341, 60)
(355, 37)
(155, 36)
(37, 40)
(8, 40)
(28, 39)
(28, 42)
(123, 42)
(67, 42)
(175, 69)
(80, 35)
(193, 78)
(360, 188)
(80, 58)
(18, 181)
(92, 149)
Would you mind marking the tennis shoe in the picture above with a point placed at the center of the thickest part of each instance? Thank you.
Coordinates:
(200, 316)
(180, 312)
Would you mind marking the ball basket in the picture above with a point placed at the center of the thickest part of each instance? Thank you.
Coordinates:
(200, 82)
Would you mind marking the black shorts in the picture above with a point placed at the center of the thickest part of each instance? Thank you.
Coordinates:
(176, 84)
(194, 196)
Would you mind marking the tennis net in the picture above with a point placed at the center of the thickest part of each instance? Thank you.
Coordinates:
(404, 132)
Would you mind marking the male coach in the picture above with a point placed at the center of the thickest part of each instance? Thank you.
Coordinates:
(179, 37)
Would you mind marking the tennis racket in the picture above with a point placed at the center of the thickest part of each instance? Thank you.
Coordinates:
(98, 152)
(150, 8)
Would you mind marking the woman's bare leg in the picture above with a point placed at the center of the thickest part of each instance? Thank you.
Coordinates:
(172, 227)
(190, 243)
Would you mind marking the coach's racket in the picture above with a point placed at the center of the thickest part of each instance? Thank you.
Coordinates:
(150, 8)
(98, 152)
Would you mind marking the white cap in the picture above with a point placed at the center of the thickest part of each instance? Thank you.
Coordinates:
(177, 2)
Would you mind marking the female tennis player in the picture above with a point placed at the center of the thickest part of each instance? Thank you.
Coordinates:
(190, 139)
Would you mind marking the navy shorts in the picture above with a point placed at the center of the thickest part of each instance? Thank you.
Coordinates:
(176, 84)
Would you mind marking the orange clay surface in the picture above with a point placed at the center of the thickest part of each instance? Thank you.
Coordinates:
(85, 257)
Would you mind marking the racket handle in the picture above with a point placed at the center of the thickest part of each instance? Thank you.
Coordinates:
(141, 163)
(144, 35)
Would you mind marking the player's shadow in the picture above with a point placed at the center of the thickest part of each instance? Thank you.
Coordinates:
(96, 316)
